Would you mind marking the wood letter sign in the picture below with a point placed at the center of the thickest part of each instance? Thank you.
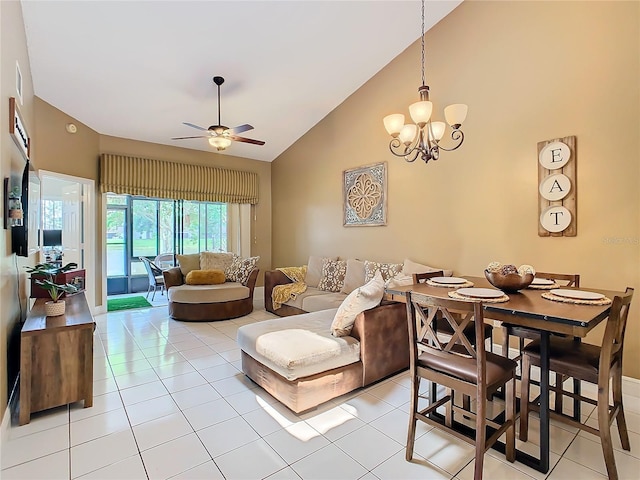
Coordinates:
(557, 187)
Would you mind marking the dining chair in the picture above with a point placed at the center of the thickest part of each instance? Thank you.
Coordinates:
(156, 279)
(563, 280)
(600, 365)
(442, 325)
(460, 366)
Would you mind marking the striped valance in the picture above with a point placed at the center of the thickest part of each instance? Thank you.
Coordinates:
(179, 181)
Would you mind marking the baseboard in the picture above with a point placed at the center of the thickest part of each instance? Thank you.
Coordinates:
(4, 427)
(11, 407)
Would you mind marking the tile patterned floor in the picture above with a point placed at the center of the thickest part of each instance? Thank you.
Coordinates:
(171, 402)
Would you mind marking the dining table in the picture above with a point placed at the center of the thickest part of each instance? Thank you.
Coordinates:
(527, 308)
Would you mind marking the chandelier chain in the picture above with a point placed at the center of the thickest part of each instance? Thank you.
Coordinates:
(421, 139)
(422, 37)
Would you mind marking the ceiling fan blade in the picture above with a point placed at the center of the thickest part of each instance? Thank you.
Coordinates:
(194, 126)
(184, 138)
(240, 129)
(246, 140)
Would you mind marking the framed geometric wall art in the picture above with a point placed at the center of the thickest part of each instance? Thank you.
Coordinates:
(364, 192)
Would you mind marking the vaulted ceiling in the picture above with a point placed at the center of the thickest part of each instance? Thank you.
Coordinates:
(138, 69)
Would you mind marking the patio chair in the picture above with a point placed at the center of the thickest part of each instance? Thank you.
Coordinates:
(156, 280)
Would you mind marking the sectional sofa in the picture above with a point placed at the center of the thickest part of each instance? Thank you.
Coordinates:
(298, 359)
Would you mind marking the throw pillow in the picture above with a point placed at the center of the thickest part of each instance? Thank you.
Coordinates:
(314, 270)
(354, 277)
(205, 277)
(387, 270)
(215, 260)
(363, 298)
(241, 268)
(188, 262)
(409, 268)
(333, 272)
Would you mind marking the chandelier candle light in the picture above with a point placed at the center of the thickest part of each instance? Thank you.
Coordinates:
(422, 137)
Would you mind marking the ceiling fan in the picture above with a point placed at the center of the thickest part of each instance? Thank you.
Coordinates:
(220, 136)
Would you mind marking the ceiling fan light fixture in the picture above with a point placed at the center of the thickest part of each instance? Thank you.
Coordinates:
(220, 143)
(221, 136)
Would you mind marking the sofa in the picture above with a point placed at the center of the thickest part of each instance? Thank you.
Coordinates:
(222, 286)
(300, 360)
(356, 272)
(303, 365)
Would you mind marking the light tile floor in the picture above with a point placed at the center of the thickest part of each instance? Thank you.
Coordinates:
(171, 402)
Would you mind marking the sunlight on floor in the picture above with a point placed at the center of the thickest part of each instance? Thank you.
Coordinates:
(301, 430)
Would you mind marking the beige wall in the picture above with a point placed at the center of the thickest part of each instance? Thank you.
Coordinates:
(529, 71)
(77, 154)
(13, 47)
(70, 154)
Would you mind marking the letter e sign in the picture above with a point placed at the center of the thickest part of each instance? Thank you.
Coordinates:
(554, 155)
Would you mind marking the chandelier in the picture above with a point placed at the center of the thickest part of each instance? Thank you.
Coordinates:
(422, 138)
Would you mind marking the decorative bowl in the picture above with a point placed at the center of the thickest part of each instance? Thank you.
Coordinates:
(511, 282)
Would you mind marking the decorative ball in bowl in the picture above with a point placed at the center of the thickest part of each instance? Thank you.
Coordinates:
(508, 278)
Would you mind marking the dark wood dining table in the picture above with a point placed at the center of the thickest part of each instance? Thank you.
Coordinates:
(527, 308)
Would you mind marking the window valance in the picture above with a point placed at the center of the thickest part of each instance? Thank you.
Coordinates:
(161, 179)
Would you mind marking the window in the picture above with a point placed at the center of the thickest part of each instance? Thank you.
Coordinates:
(204, 227)
(52, 214)
(116, 242)
(147, 227)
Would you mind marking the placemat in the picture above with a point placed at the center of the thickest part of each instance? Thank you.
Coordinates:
(450, 285)
(577, 301)
(544, 287)
(457, 296)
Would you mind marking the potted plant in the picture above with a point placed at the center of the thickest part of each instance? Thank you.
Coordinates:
(48, 273)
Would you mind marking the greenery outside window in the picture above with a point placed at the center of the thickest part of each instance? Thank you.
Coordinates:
(147, 227)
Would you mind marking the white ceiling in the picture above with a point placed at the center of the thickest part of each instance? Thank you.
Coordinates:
(138, 69)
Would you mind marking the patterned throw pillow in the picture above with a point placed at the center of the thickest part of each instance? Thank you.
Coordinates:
(388, 270)
(215, 260)
(314, 270)
(333, 273)
(240, 269)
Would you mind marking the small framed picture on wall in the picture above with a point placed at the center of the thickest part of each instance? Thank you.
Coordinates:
(18, 83)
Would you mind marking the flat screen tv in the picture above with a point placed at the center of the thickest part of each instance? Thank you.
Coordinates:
(24, 239)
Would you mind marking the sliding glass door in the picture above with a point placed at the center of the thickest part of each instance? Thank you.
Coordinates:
(148, 227)
(117, 240)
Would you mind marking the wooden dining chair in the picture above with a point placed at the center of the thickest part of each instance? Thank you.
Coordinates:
(601, 365)
(563, 280)
(460, 366)
(566, 280)
(442, 325)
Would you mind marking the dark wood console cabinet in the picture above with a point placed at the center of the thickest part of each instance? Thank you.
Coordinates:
(56, 357)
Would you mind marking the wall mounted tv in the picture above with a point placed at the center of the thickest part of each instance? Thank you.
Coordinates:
(24, 239)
